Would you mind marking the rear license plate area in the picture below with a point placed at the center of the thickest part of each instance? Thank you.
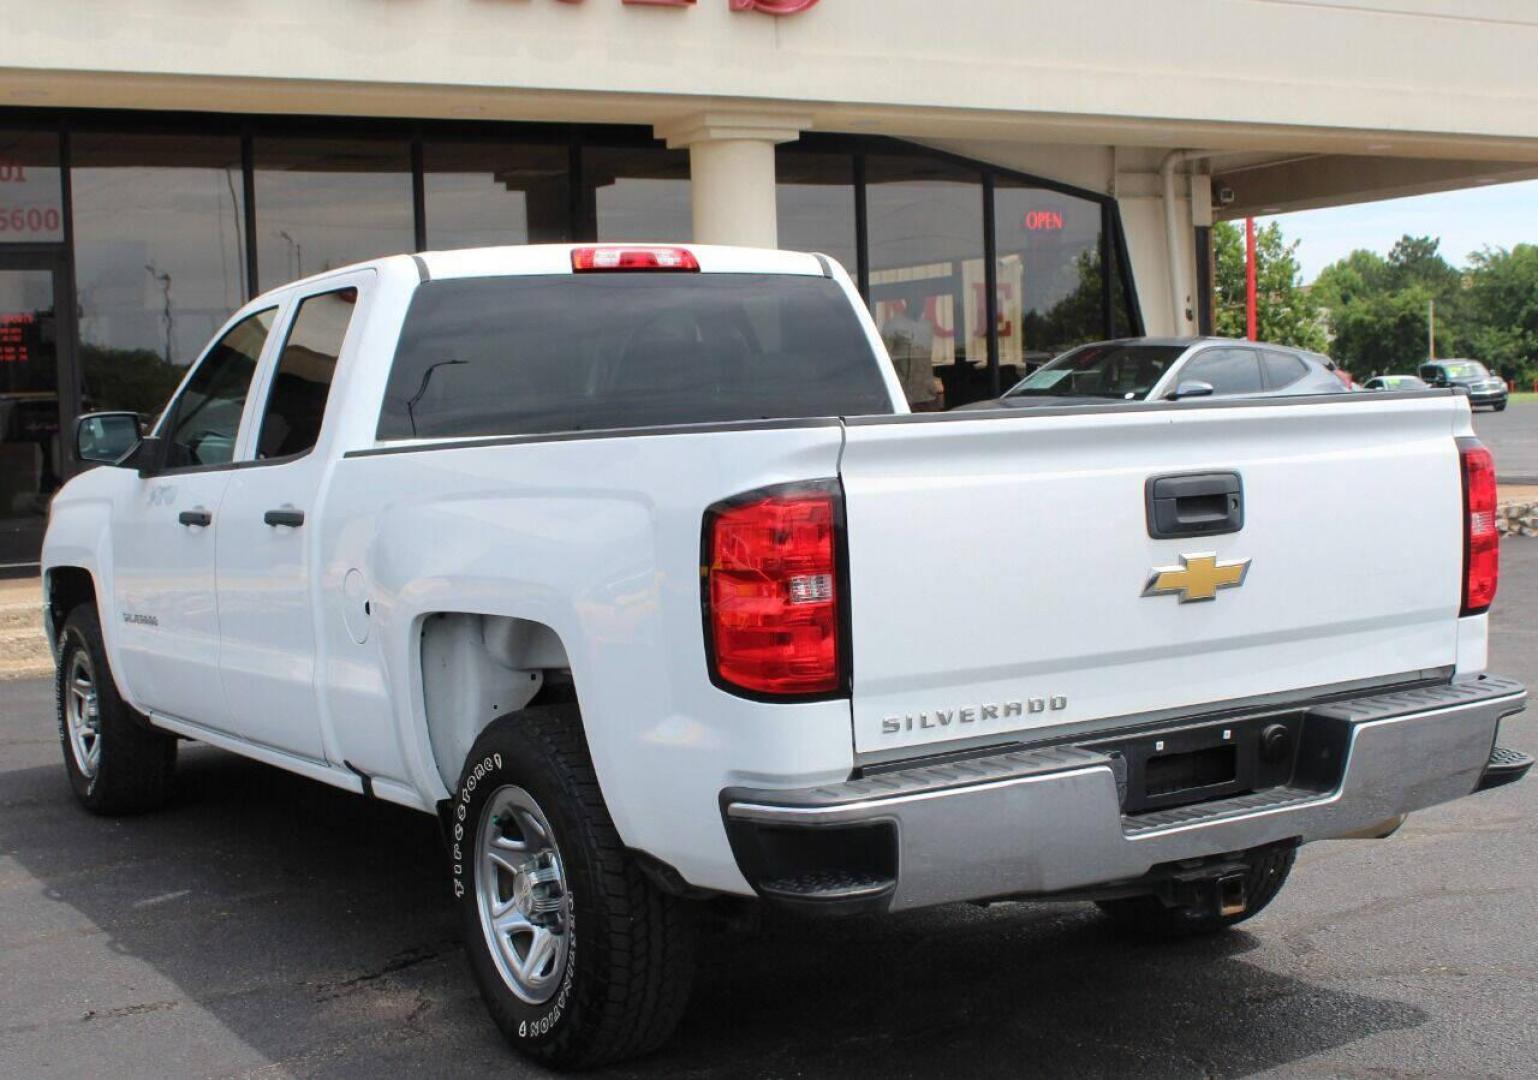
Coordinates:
(1178, 766)
(1170, 774)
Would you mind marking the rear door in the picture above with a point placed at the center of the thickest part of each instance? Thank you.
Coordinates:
(1000, 568)
(266, 549)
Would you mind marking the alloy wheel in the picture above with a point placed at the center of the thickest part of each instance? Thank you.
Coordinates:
(521, 893)
(82, 713)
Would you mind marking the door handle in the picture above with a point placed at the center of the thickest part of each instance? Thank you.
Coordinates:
(198, 517)
(1194, 504)
(292, 518)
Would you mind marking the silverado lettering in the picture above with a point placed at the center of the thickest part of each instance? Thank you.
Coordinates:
(891, 725)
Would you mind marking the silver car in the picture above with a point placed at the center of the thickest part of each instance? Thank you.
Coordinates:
(1171, 369)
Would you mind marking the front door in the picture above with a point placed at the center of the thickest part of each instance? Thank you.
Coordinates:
(165, 533)
(33, 289)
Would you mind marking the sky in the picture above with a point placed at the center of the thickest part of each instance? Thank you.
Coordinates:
(1501, 215)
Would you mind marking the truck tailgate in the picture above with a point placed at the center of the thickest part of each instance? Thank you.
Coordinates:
(998, 566)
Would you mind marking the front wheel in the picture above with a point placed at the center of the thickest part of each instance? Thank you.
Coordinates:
(580, 959)
(117, 763)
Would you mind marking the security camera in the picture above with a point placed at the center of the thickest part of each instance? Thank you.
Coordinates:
(1225, 195)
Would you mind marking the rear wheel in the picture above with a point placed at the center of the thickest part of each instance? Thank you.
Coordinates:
(1150, 916)
(580, 959)
(117, 763)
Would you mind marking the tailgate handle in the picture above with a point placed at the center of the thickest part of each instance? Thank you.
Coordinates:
(1194, 504)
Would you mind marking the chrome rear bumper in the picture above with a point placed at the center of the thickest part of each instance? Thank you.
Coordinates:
(1037, 822)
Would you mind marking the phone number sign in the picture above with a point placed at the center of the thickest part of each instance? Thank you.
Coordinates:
(31, 203)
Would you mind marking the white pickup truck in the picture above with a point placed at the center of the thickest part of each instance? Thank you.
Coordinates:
(631, 564)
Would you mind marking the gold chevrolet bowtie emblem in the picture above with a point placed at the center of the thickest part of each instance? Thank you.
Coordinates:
(1199, 579)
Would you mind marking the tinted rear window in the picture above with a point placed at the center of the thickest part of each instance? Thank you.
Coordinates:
(536, 355)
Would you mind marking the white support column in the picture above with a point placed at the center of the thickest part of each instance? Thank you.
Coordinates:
(731, 170)
(1139, 194)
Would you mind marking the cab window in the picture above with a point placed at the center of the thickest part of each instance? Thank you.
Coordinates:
(1230, 371)
(296, 404)
(205, 418)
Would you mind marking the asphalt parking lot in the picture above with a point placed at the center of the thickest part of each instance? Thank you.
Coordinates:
(1512, 437)
(268, 926)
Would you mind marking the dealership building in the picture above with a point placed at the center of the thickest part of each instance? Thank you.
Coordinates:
(1014, 176)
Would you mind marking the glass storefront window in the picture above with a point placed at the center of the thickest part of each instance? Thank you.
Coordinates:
(161, 253)
(638, 193)
(483, 193)
(1050, 277)
(30, 452)
(160, 258)
(31, 196)
(814, 195)
(322, 203)
(927, 286)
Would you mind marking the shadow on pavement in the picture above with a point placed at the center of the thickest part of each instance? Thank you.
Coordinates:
(318, 929)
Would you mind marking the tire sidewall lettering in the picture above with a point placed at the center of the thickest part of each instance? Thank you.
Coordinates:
(544, 1025)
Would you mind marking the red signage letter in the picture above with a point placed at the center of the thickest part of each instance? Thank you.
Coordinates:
(773, 7)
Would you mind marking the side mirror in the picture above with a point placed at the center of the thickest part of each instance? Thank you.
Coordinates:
(149, 457)
(1192, 388)
(104, 438)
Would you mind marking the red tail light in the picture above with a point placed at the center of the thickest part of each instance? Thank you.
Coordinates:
(585, 259)
(1481, 541)
(772, 585)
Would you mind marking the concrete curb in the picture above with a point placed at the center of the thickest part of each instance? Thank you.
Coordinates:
(24, 650)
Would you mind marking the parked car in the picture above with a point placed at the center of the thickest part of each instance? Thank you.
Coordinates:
(1485, 388)
(1169, 369)
(630, 564)
(1395, 382)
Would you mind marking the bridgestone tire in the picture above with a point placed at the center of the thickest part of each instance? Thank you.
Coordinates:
(135, 763)
(629, 964)
(1146, 916)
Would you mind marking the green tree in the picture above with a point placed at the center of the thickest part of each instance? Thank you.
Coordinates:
(1378, 307)
(1417, 260)
(1360, 274)
(1286, 312)
(1381, 332)
(1503, 310)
